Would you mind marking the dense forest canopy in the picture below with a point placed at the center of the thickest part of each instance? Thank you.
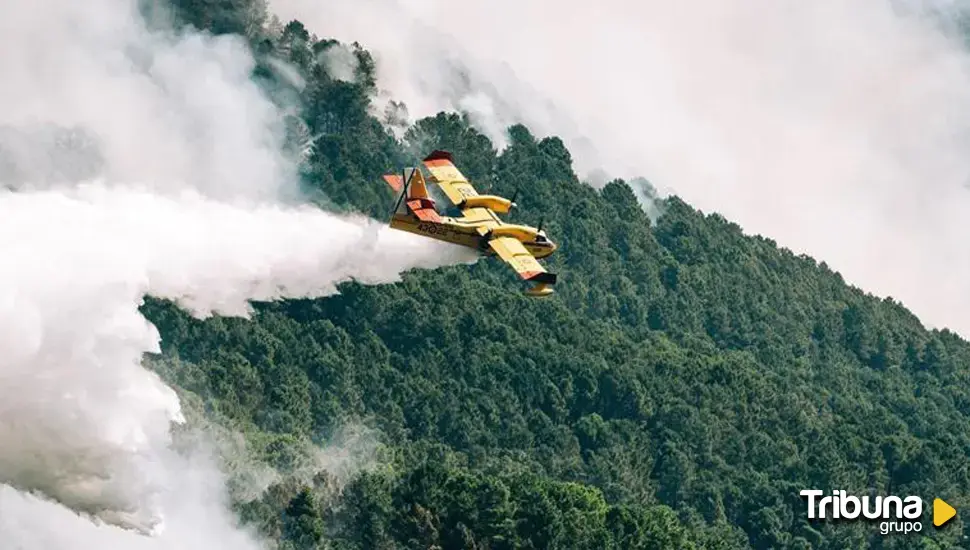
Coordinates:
(680, 389)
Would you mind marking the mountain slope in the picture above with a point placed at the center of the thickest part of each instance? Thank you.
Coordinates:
(680, 389)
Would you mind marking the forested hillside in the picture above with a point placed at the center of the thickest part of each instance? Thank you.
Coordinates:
(680, 389)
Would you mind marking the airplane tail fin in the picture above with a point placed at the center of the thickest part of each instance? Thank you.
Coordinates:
(417, 189)
(414, 196)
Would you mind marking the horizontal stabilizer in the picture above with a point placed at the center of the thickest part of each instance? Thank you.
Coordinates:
(424, 209)
(416, 186)
(395, 181)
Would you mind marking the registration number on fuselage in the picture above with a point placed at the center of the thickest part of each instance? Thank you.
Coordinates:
(433, 229)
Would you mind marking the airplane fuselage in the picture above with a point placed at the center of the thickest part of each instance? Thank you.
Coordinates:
(475, 233)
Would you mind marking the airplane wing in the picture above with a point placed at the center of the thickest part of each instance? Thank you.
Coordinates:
(521, 260)
(448, 177)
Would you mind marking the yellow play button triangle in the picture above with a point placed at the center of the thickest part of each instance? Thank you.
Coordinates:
(942, 512)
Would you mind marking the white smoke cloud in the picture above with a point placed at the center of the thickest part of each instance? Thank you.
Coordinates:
(133, 162)
(840, 129)
(341, 62)
(351, 449)
(210, 256)
(80, 419)
(180, 108)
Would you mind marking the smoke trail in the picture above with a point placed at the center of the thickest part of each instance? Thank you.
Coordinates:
(838, 128)
(137, 161)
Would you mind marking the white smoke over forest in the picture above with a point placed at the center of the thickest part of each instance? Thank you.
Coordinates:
(839, 129)
(139, 161)
(136, 161)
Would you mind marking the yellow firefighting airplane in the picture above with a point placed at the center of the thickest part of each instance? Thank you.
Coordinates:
(478, 227)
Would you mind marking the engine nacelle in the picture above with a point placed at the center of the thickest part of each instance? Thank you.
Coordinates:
(498, 204)
(518, 232)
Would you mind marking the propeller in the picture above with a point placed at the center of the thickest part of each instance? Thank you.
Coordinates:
(539, 228)
(512, 206)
